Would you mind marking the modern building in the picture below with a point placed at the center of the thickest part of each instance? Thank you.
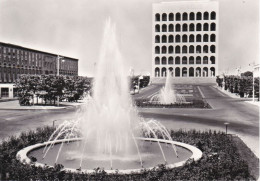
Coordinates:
(185, 39)
(16, 60)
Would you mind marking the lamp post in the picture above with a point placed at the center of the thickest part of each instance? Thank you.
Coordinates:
(253, 65)
(58, 73)
(226, 123)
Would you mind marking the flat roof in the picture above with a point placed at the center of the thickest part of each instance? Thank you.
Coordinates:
(38, 51)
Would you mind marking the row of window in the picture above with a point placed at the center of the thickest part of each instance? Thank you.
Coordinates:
(185, 16)
(185, 27)
(185, 49)
(184, 60)
(184, 38)
(185, 72)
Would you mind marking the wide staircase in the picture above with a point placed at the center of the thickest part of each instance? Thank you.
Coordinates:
(185, 80)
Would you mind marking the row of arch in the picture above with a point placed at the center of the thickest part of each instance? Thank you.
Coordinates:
(185, 72)
(185, 27)
(185, 38)
(185, 49)
(184, 60)
(185, 16)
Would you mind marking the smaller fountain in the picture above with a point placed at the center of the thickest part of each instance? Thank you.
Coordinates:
(167, 94)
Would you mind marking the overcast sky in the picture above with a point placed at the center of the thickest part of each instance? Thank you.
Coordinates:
(74, 28)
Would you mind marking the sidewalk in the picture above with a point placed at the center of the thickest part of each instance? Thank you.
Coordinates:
(14, 105)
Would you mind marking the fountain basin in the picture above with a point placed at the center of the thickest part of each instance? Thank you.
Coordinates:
(185, 152)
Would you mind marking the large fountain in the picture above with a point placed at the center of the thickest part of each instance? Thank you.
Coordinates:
(108, 132)
(167, 94)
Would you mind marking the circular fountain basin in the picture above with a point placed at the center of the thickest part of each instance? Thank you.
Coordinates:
(150, 152)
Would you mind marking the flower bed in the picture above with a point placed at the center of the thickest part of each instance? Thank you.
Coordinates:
(220, 161)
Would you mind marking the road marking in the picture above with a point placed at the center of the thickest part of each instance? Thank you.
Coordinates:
(202, 95)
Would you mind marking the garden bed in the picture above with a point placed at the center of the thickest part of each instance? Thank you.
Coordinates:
(221, 160)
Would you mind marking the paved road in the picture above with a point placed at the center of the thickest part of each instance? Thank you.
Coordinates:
(243, 117)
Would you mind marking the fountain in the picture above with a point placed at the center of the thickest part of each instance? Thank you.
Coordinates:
(108, 132)
(167, 94)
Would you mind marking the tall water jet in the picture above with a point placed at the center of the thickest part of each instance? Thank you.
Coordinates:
(167, 94)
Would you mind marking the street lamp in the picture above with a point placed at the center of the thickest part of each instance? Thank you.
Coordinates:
(226, 123)
(58, 73)
(252, 65)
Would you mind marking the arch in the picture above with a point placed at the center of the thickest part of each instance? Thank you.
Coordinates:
(164, 17)
(177, 49)
(191, 27)
(185, 27)
(164, 28)
(157, 50)
(184, 72)
(177, 72)
(198, 72)
(191, 49)
(184, 49)
(198, 60)
(212, 38)
(171, 71)
(157, 28)
(170, 49)
(192, 16)
(164, 39)
(164, 61)
(177, 27)
(157, 17)
(205, 60)
(206, 16)
(157, 61)
(157, 72)
(171, 28)
(205, 72)
(163, 72)
(184, 17)
(178, 17)
(178, 39)
(191, 72)
(205, 27)
(213, 15)
(212, 71)
(164, 49)
(157, 39)
(170, 60)
(198, 38)
(212, 49)
(171, 17)
(184, 60)
(198, 27)
(184, 38)
(205, 38)
(177, 60)
(205, 49)
(198, 49)
(212, 27)
(191, 60)
(212, 59)
(170, 39)
(191, 38)
(198, 16)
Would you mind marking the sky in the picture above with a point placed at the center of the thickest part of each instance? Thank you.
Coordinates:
(74, 28)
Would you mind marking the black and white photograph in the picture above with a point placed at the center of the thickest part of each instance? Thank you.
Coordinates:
(132, 90)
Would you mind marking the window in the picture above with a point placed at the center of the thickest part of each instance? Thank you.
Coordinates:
(205, 60)
(191, 38)
(177, 72)
(206, 27)
(184, 38)
(198, 38)
(212, 60)
(157, 17)
(198, 16)
(164, 49)
(171, 27)
(178, 28)
(164, 39)
(205, 49)
(184, 49)
(213, 15)
(157, 50)
(164, 17)
(198, 27)
(177, 49)
(171, 17)
(184, 27)
(205, 38)
(212, 49)
(191, 60)
(198, 49)
(164, 28)
(184, 60)
(212, 38)
(192, 16)
(192, 27)
(157, 28)
(170, 39)
(157, 72)
(178, 39)
(184, 72)
(206, 16)
(178, 17)
(191, 49)
(212, 27)
(191, 72)
(184, 17)
(170, 49)
(170, 60)
(164, 62)
(198, 60)
(157, 39)
(177, 60)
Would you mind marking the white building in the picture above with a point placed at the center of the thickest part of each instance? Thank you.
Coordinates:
(185, 40)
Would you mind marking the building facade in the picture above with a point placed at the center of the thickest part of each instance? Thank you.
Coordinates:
(16, 60)
(185, 39)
